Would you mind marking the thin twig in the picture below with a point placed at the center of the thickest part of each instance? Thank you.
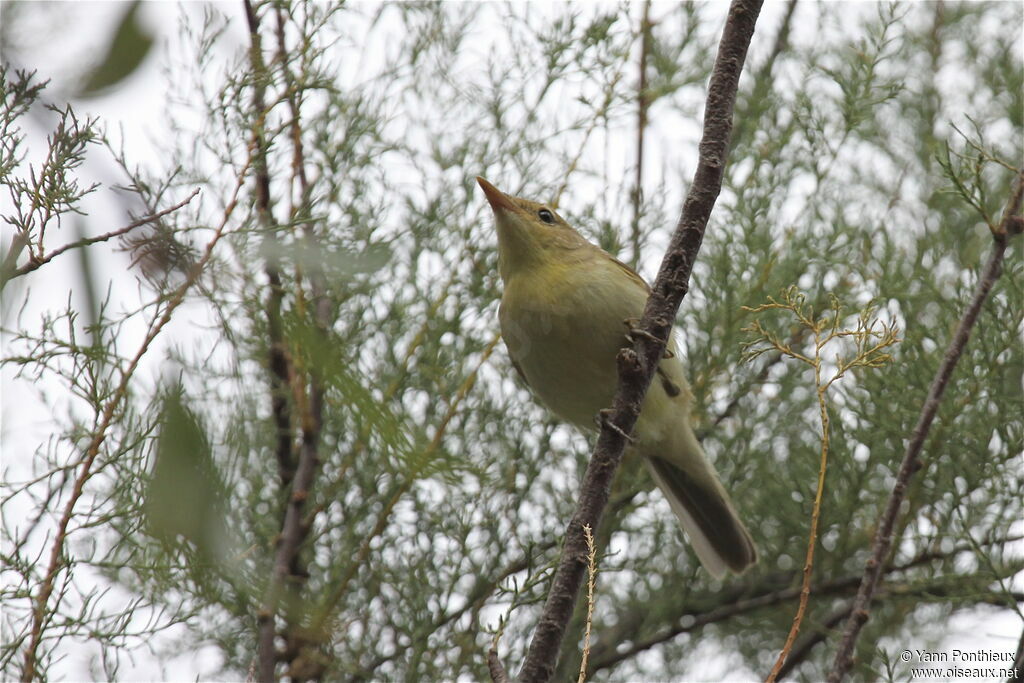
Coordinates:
(38, 261)
(638, 364)
(591, 582)
(642, 104)
(871, 340)
(812, 541)
(843, 661)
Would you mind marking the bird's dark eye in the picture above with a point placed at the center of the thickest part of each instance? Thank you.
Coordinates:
(546, 216)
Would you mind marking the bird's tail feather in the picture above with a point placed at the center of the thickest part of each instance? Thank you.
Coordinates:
(705, 512)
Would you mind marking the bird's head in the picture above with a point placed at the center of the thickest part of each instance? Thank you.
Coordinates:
(529, 233)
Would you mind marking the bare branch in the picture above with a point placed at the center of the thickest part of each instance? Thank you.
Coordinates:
(279, 363)
(637, 364)
(297, 470)
(843, 661)
(642, 104)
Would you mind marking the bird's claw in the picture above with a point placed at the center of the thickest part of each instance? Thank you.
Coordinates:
(633, 330)
(603, 419)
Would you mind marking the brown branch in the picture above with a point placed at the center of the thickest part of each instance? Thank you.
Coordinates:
(279, 363)
(301, 646)
(637, 365)
(92, 450)
(642, 103)
(843, 661)
(494, 667)
(278, 360)
(812, 540)
(35, 262)
(297, 470)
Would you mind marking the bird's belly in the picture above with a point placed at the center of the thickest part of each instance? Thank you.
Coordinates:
(568, 357)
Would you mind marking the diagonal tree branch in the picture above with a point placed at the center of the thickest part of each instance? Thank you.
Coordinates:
(843, 661)
(637, 364)
(10, 271)
(642, 104)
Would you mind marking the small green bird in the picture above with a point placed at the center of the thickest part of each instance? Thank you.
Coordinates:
(563, 315)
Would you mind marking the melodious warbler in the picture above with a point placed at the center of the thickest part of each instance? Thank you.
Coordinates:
(563, 314)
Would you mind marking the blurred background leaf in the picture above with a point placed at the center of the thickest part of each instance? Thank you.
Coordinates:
(128, 48)
(186, 496)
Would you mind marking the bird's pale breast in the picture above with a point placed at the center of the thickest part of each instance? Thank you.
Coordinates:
(564, 329)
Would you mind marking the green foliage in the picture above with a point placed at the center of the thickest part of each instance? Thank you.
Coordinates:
(441, 489)
(43, 192)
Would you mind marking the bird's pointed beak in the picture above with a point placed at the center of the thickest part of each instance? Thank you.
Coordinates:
(498, 200)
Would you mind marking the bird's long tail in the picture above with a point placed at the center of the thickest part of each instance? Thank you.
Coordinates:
(691, 485)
